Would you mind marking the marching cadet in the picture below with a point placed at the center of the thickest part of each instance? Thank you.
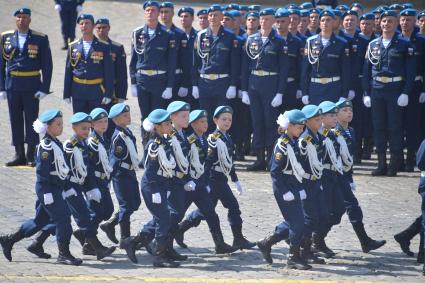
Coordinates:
(264, 82)
(25, 76)
(202, 18)
(219, 165)
(287, 175)
(420, 162)
(325, 72)
(89, 70)
(68, 11)
(52, 172)
(313, 24)
(404, 237)
(152, 63)
(421, 24)
(388, 79)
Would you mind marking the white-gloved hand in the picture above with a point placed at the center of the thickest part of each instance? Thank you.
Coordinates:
(351, 94)
(195, 92)
(94, 194)
(106, 100)
(156, 198)
(421, 97)
(277, 100)
(231, 92)
(58, 8)
(239, 188)
(208, 189)
(79, 8)
(134, 90)
(70, 192)
(182, 92)
(189, 186)
(299, 94)
(305, 99)
(341, 99)
(40, 95)
(403, 100)
(48, 198)
(121, 100)
(353, 186)
(245, 98)
(3, 95)
(289, 196)
(168, 93)
(239, 93)
(366, 101)
(303, 195)
(68, 100)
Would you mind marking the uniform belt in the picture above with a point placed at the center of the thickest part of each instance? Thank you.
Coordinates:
(54, 173)
(360, 76)
(309, 177)
(386, 80)
(290, 80)
(87, 82)
(179, 71)
(262, 73)
(25, 74)
(75, 180)
(213, 77)
(288, 172)
(325, 80)
(423, 174)
(329, 167)
(126, 166)
(419, 78)
(100, 175)
(161, 173)
(152, 72)
(178, 174)
(217, 168)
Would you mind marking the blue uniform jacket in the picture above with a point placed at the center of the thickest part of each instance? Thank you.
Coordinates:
(93, 154)
(326, 133)
(420, 162)
(317, 140)
(183, 178)
(201, 144)
(186, 53)
(120, 70)
(358, 47)
(69, 5)
(418, 43)
(212, 158)
(34, 57)
(295, 55)
(119, 157)
(349, 136)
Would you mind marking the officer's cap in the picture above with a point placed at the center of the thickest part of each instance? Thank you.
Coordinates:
(98, 113)
(254, 8)
(235, 13)
(315, 11)
(306, 5)
(85, 17)
(243, 8)
(150, 4)
(328, 107)
(311, 111)
(388, 13)
(293, 6)
(48, 115)
(344, 103)
(294, 12)
(327, 12)
(228, 14)
(408, 6)
(368, 17)
(357, 5)
(166, 5)
(197, 114)
(342, 8)
(295, 116)
(186, 10)
(351, 13)
(215, 7)
(118, 109)
(80, 117)
(281, 13)
(202, 12)
(396, 6)
(267, 12)
(337, 13)
(222, 109)
(24, 10)
(252, 14)
(158, 116)
(408, 12)
(304, 13)
(233, 6)
(421, 14)
(177, 106)
(102, 21)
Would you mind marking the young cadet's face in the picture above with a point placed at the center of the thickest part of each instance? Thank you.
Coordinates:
(23, 21)
(86, 26)
(101, 125)
(345, 114)
(186, 20)
(55, 127)
(315, 123)
(215, 18)
(295, 130)
(388, 24)
(102, 30)
(224, 121)
(180, 119)
(252, 23)
(200, 125)
(82, 130)
(203, 21)
(267, 22)
(123, 120)
(421, 23)
(166, 15)
(164, 128)
(329, 120)
(151, 13)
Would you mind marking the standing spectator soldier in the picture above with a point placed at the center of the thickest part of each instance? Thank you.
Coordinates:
(68, 11)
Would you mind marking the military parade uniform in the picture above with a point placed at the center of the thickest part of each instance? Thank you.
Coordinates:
(68, 12)
(420, 162)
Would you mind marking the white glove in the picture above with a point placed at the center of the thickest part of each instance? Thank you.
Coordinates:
(277, 100)
(190, 186)
(403, 100)
(79, 8)
(94, 194)
(168, 93)
(240, 93)
(68, 100)
(366, 101)
(421, 97)
(182, 92)
(341, 99)
(289, 196)
(305, 99)
(121, 100)
(245, 98)
(195, 92)
(3, 95)
(156, 198)
(299, 94)
(168, 194)
(208, 189)
(353, 187)
(351, 94)
(303, 195)
(106, 100)
(231, 92)
(134, 90)
(40, 95)
(69, 193)
(48, 198)
(58, 8)
(239, 187)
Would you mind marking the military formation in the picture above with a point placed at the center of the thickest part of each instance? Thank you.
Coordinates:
(348, 82)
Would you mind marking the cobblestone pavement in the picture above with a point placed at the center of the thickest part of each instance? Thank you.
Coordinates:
(389, 204)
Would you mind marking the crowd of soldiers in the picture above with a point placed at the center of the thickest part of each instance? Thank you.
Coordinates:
(247, 64)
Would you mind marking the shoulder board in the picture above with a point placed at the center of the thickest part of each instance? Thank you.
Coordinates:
(192, 138)
(215, 135)
(337, 132)
(173, 133)
(34, 32)
(116, 43)
(73, 141)
(73, 42)
(325, 132)
(7, 32)
(158, 141)
(284, 141)
(103, 41)
(308, 138)
(94, 140)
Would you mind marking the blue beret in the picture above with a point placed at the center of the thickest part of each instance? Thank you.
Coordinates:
(80, 117)
(214, 8)
(150, 4)
(315, 11)
(311, 111)
(293, 6)
(158, 116)
(281, 13)
(166, 5)
(295, 116)
(421, 14)
(98, 113)
(243, 8)
(85, 17)
(202, 12)
(235, 13)
(342, 8)
(267, 12)
(327, 12)
(49, 115)
(368, 17)
(396, 6)
(350, 12)
(197, 114)
(254, 8)
(304, 13)
(306, 5)
(408, 12)
(186, 10)
(177, 106)
(252, 14)
(233, 6)
(118, 109)
(102, 21)
(222, 109)
(24, 10)
(378, 10)
(294, 12)
(337, 13)
(357, 5)
(228, 14)
(388, 13)
(408, 6)
(328, 107)
(344, 103)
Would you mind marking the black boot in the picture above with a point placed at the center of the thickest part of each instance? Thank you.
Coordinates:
(403, 238)
(126, 242)
(179, 235)
(394, 165)
(420, 258)
(142, 240)
(7, 242)
(260, 163)
(382, 165)
(265, 246)
(65, 44)
(65, 256)
(367, 149)
(160, 258)
(36, 246)
(88, 249)
(239, 241)
(319, 245)
(173, 254)
(99, 249)
(109, 228)
(19, 159)
(295, 260)
(220, 246)
(307, 255)
(239, 152)
(366, 242)
(410, 161)
(30, 155)
(79, 235)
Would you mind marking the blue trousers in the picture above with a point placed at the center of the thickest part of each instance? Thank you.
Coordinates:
(321, 92)
(361, 119)
(128, 195)
(354, 211)
(290, 100)
(423, 216)
(333, 197)
(411, 115)
(69, 21)
(316, 213)
(86, 106)
(101, 211)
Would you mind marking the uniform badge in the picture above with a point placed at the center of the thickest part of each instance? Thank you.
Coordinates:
(205, 45)
(32, 51)
(347, 52)
(118, 150)
(285, 49)
(114, 56)
(210, 151)
(253, 48)
(96, 56)
(354, 47)
(410, 51)
(172, 43)
(235, 43)
(278, 156)
(184, 43)
(45, 155)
